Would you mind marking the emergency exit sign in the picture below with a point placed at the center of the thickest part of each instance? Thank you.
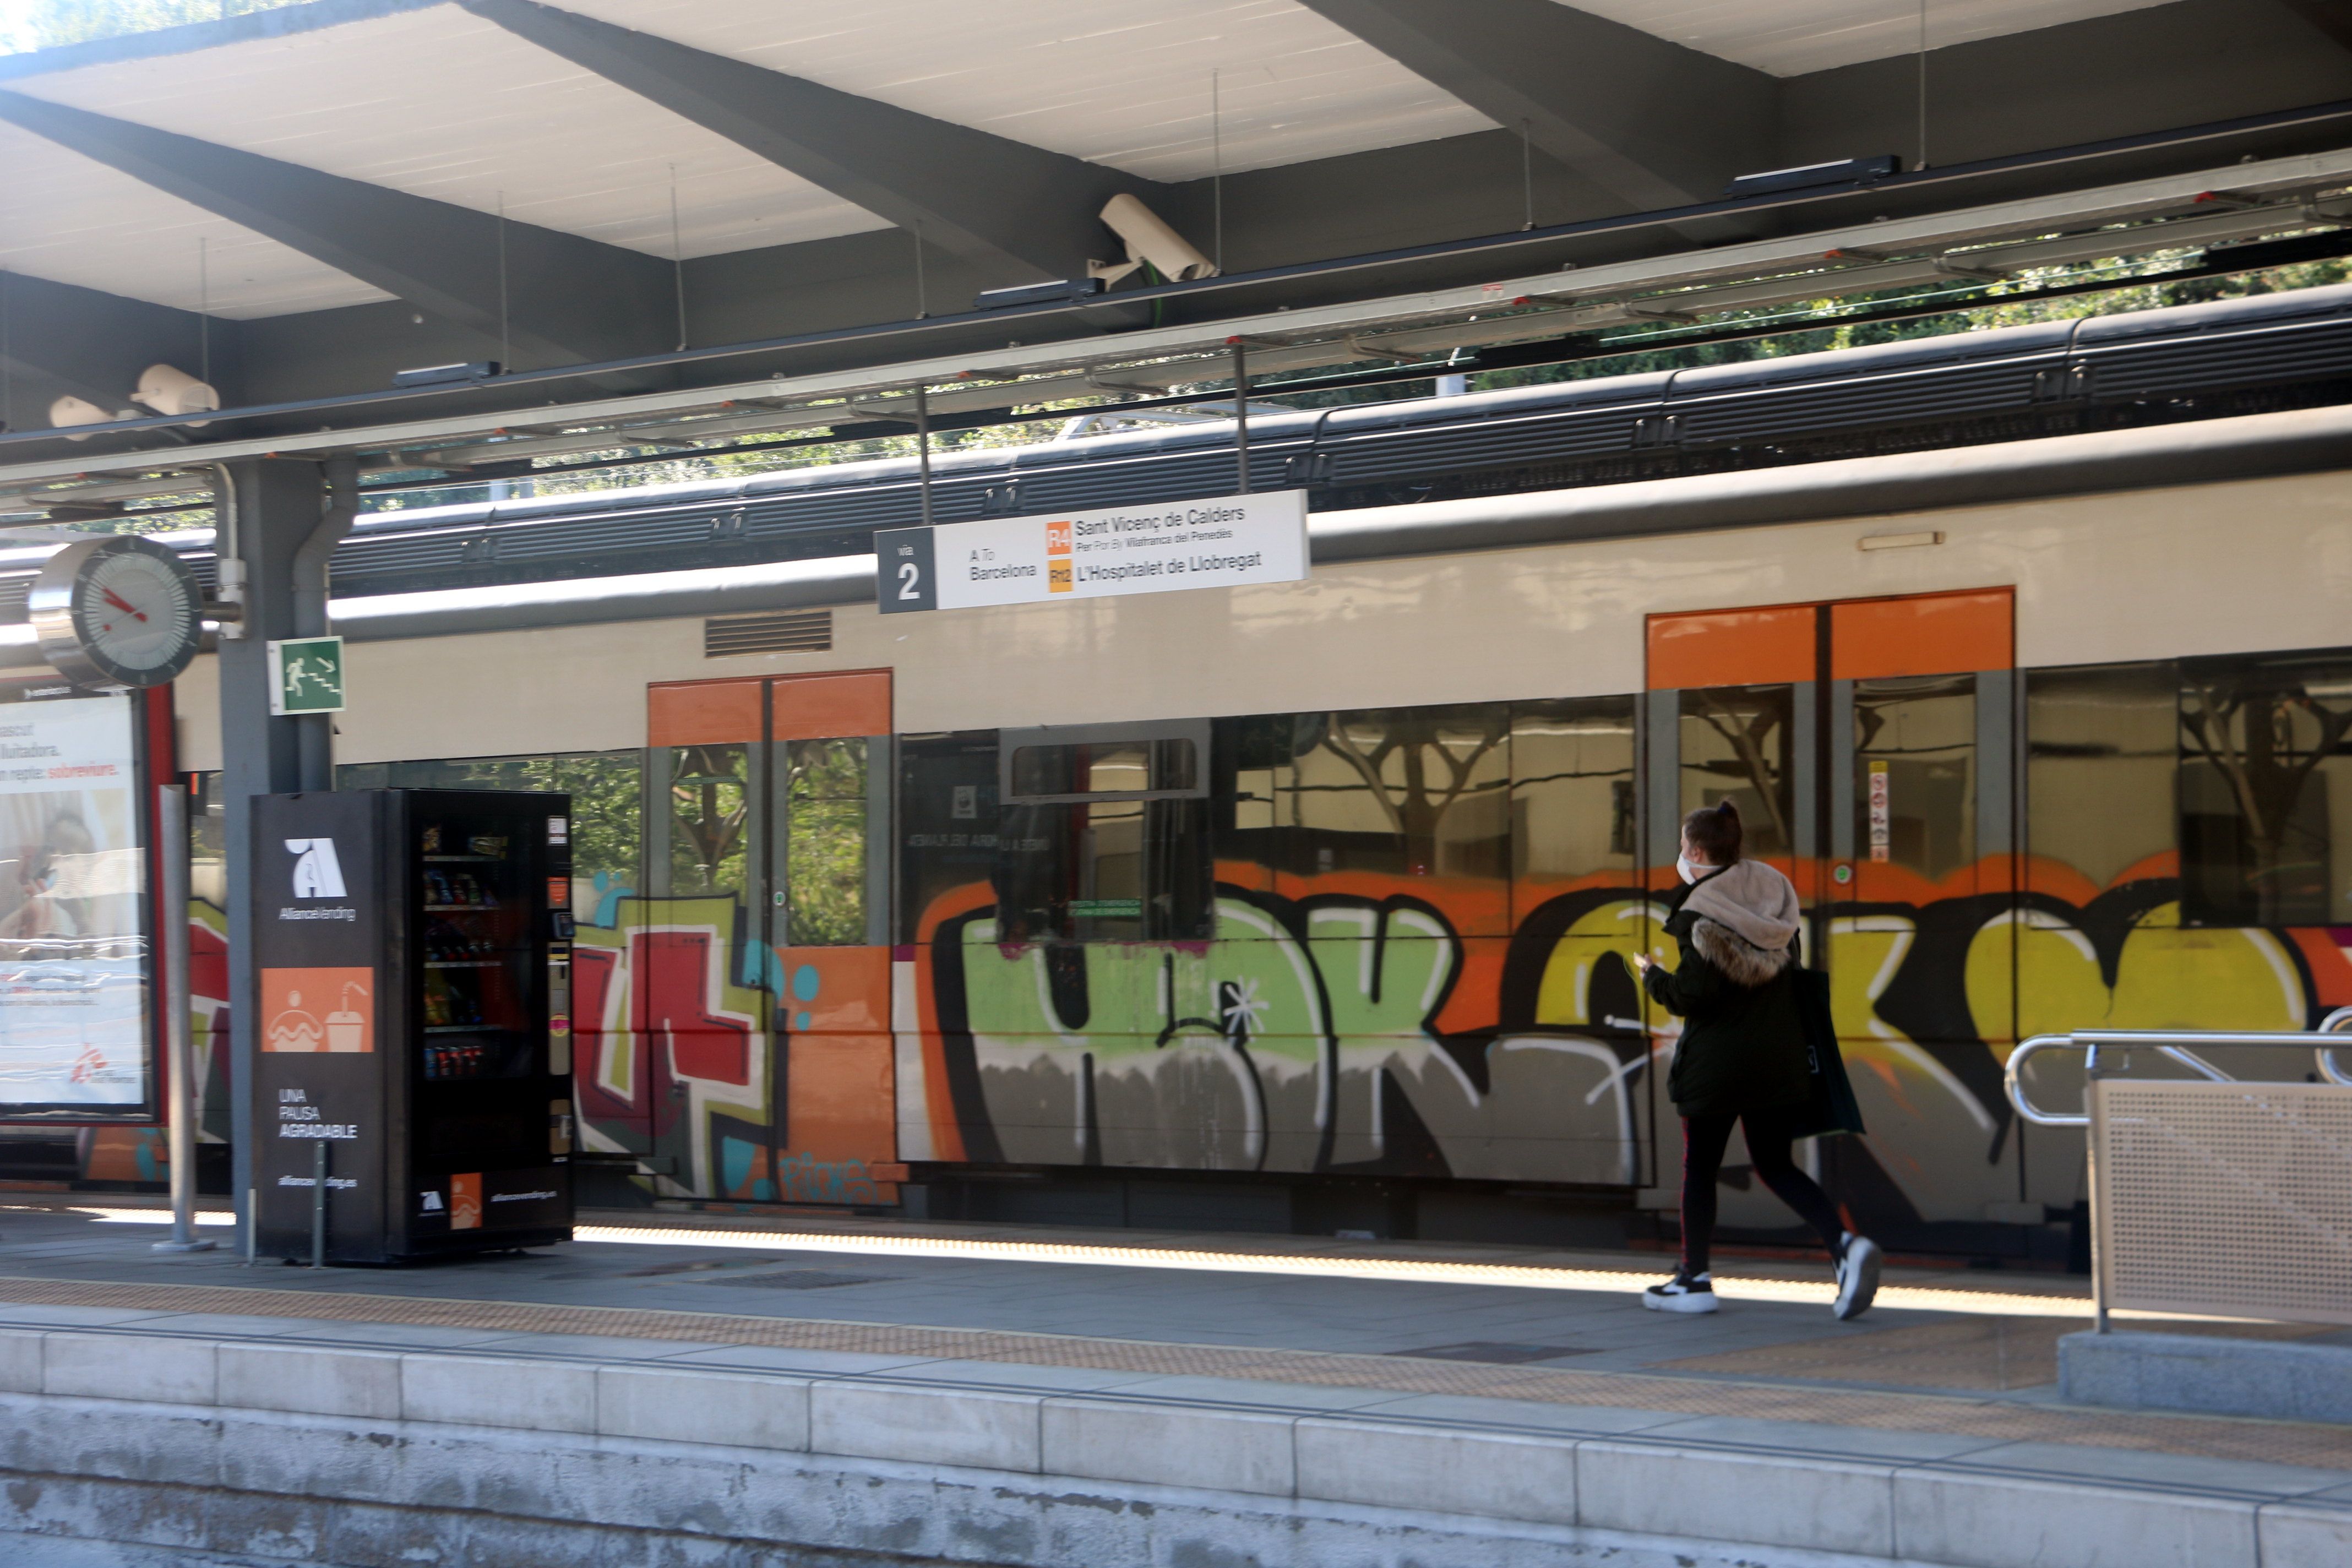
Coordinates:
(306, 675)
(1223, 542)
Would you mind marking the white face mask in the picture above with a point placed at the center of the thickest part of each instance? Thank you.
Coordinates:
(1688, 872)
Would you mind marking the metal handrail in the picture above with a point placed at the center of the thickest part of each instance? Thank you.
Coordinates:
(2172, 1044)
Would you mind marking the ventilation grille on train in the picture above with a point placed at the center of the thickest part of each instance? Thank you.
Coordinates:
(775, 631)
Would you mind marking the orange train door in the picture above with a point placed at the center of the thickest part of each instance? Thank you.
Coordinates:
(759, 974)
(1870, 748)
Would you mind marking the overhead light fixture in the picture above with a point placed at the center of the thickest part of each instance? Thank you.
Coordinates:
(171, 391)
(1806, 176)
(1060, 291)
(440, 374)
(1148, 238)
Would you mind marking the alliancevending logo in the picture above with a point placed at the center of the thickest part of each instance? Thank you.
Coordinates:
(1057, 559)
(318, 874)
(466, 1202)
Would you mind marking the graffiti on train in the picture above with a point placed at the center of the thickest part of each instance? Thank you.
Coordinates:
(1351, 1032)
(1345, 1030)
(730, 1069)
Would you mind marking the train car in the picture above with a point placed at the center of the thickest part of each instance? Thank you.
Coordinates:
(1314, 905)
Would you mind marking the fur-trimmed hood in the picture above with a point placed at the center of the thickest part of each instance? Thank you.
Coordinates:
(1742, 962)
(1744, 920)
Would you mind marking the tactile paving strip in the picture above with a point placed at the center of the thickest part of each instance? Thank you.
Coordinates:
(2260, 1441)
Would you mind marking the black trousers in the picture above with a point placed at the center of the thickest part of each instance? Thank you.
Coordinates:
(1704, 1139)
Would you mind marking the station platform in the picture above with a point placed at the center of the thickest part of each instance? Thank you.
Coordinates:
(1276, 1398)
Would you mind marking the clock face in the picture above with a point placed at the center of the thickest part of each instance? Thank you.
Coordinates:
(117, 612)
(132, 612)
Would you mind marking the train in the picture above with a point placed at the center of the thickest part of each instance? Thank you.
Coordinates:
(1327, 918)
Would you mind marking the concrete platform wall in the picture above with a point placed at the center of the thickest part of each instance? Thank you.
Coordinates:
(2208, 1374)
(362, 1458)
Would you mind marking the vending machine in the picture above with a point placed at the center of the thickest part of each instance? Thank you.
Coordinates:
(413, 1070)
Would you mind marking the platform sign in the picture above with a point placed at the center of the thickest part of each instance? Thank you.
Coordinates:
(1227, 542)
(306, 675)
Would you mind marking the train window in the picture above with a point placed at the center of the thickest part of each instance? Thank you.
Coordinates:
(1133, 768)
(606, 790)
(1397, 792)
(1104, 870)
(947, 818)
(1914, 748)
(1248, 801)
(705, 794)
(1104, 835)
(2266, 791)
(2101, 752)
(823, 878)
(1571, 791)
(1736, 746)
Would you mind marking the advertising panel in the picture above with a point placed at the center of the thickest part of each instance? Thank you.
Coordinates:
(74, 1030)
(320, 941)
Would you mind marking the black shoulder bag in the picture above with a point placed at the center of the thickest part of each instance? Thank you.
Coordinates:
(1829, 1106)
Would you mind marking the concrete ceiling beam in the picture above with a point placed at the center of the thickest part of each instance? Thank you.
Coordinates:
(554, 297)
(1657, 124)
(1013, 211)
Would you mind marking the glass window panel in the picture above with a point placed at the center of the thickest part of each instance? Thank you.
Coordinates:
(1914, 749)
(1412, 792)
(2265, 772)
(1110, 767)
(1736, 746)
(607, 791)
(1573, 789)
(1252, 762)
(824, 843)
(1112, 870)
(2101, 752)
(948, 818)
(709, 800)
(207, 842)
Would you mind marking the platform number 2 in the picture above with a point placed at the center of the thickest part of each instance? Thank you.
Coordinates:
(906, 581)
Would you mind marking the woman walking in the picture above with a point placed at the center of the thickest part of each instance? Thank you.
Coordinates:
(1742, 1058)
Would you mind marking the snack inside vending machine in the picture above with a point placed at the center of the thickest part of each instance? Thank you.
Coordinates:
(414, 1069)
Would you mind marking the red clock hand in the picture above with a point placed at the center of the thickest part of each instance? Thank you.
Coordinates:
(120, 603)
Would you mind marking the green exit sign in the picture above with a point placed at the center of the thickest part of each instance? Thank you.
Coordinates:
(306, 675)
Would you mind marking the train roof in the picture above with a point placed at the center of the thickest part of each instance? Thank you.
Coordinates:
(1275, 425)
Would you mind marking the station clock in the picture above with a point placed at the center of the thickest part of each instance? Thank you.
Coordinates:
(117, 613)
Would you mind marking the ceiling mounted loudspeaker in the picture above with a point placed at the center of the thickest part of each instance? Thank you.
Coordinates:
(175, 392)
(1148, 238)
(69, 411)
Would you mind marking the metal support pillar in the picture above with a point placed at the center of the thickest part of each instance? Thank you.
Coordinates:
(179, 1061)
(269, 507)
(923, 449)
(1240, 418)
(317, 730)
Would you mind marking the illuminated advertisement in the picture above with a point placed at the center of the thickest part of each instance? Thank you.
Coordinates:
(74, 1036)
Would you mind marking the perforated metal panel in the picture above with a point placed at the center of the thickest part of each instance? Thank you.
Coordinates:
(2229, 1199)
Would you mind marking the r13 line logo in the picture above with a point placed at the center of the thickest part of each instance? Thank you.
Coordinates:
(317, 873)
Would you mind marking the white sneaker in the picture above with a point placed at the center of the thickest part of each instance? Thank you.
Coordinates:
(1683, 1293)
(1857, 1275)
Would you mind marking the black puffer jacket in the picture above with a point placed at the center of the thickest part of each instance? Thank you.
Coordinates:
(1743, 1044)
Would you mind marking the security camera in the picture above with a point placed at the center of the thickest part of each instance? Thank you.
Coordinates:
(69, 411)
(1148, 238)
(170, 391)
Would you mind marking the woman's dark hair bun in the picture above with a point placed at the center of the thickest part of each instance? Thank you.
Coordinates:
(1715, 830)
